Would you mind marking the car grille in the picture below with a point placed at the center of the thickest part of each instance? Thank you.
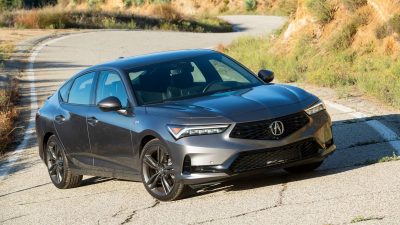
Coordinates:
(259, 130)
(258, 159)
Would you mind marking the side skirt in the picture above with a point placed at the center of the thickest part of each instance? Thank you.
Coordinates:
(107, 173)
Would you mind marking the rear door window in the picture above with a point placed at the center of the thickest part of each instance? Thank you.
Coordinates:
(81, 89)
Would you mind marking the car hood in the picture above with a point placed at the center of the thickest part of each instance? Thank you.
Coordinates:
(256, 103)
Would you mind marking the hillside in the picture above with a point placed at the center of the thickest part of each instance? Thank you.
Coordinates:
(346, 44)
(189, 7)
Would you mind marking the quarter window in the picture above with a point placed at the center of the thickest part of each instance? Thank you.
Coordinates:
(64, 91)
(81, 89)
(110, 84)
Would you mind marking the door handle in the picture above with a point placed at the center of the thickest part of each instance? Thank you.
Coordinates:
(92, 121)
(59, 119)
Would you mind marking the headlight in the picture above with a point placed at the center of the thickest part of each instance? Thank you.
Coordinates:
(180, 131)
(315, 108)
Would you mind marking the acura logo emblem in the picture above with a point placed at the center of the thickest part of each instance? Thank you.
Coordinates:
(277, 128)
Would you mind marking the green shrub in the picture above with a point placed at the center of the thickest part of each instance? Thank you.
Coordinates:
(6, 19)
(382, 31)
(323, 10)
(352, 5)
(139, 2)
(224, 7)
(379, 76)
(394, 23)
(344, 38)
(250, 5)
(9, 5)
(286, 7)
(159, 1)
(94, 3)
(127, 3)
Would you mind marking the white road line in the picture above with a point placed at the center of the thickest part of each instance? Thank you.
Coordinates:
(387, 134)
(30, 129)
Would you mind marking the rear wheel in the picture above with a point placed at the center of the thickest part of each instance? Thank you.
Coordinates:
(157, 172)
(304, 168)
(57, 165)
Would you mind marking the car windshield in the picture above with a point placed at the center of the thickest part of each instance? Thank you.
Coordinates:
(188, 78)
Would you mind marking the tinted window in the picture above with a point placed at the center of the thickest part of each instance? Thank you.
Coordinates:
(227, 73)
(110, 84)
(64, 91)
(187, 78)
(81, 89)
(197, 75)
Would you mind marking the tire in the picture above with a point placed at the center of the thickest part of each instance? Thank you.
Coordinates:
(304, 168)
(157, 173)
(57, 165)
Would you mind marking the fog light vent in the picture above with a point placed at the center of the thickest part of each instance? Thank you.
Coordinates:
(186, 165)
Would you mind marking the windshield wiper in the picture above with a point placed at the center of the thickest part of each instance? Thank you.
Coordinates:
(228, 90)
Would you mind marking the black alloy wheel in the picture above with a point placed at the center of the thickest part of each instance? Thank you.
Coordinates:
(158, 175)
(55, 162)
(57, 165)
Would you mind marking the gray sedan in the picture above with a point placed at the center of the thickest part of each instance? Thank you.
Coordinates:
(176, 119)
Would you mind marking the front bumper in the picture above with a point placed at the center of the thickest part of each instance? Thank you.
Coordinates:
(214, 157)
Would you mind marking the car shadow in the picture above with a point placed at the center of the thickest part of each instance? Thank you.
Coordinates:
(95, 180)
(358, 145)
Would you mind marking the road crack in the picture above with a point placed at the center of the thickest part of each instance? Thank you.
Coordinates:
(26, 189)
(278, 203)
(12, 218)
(134, 212)
(68, 197)
(118, 212)
(282, 191)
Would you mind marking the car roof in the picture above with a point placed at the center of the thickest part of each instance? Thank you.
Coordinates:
(152, 58)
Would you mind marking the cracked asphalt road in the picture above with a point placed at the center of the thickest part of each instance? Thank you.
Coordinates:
(345, 187)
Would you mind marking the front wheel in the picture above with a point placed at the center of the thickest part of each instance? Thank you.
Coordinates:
(157, 172)
(304, 168)
(57, 166)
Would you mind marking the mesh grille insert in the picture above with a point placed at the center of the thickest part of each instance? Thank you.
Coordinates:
(258, 159)
(259, 130)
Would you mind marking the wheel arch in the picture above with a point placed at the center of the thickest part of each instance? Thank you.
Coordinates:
(42, 148)
(146, 137)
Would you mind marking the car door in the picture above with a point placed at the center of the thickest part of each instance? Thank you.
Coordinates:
(70, 121)
(110, 132)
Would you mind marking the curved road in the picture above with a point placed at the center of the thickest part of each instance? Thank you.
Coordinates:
(346, 186)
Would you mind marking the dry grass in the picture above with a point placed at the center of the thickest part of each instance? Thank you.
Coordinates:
(8, 96)
(8, 114)
(195, 8)
(220, 47)
(165, 11)
(165, 18)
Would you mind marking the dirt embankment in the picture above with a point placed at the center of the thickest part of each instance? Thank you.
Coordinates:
(375, 13)
(344, 44)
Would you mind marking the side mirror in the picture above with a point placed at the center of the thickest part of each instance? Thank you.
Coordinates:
(266, 75)
(110, 104)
